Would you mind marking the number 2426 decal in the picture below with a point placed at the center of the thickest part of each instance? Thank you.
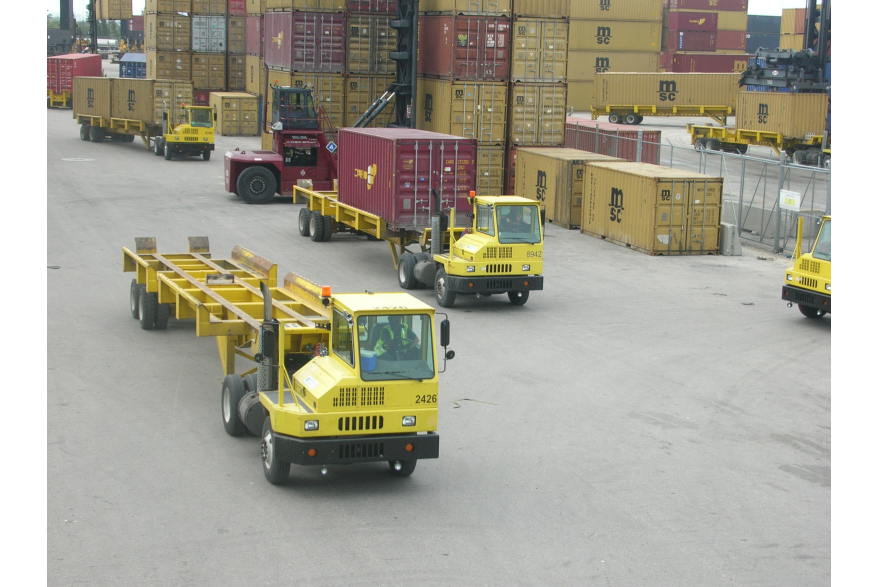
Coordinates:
(425, 399)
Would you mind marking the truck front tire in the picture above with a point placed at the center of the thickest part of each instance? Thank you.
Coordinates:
(811, 312)
(406, 468)
(518, 298)
(168, 151)
(276, 471)
(256, 185)
(206, 155)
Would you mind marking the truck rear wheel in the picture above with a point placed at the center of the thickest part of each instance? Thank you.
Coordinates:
(96, 133)
(631, 119)
(162, 316)
(84, 133)
(256, 185)
(147, 308)
(699, 144)
(232, 392)
(328, 228)
(811, 312)
(135, 299)
(406, 271)
(713, 145)
(518, 298)
(443, 294)
(315, 224)
(276, 471)
(405, 467)
(304, 222)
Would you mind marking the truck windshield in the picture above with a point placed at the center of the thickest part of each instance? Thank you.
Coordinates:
(518, 224)
(822, 248)
(396, 346)
(201, 117)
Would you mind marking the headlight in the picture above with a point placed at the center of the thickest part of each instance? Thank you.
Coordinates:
(827, 287)
(409, 420)
(789, 277)
(311, 425)
(470, 269)
(525, 268)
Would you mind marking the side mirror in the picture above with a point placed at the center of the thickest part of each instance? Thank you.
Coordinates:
(445, 329)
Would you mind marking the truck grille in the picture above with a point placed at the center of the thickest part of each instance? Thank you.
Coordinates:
(497, 253)
(361, 450)
(346, 423)
(804, 298)
(190, 139)
(353, 396)
(809, 282)
(499, 284)
(499, 268)
(811, 266)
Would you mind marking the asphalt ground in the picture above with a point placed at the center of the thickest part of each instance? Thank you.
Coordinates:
(642, 421)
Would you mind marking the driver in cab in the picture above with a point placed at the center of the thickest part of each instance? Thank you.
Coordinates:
(513, 221)
(397, 342)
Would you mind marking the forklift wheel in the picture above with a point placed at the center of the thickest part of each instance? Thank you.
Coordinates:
(256, 185)
(304, 222)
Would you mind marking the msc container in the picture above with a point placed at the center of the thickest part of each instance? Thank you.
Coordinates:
(733, 5)
(580, 94)
(555, 178)
(208, 34)
(395, 173)
(542, 8)
(237, 72)
(167, 32)
(360, 92)
(585, 65)
(168, 6)
(93, 96)
(373, 6)
(731, 41)
(237, 34)
(464, 47)
(652, 209)
(61, 70)
(539, 50)
(538, 114)
(616, 140)
(237, 114)
(209, 7)
(644, 10)
(318, 42)
(133, 99)
(791, 114)
(692, 41)
(255, 7)
(169, 65)
(706, 22)
(254, 35)
(666, 89)
(255, 75)
(132, 65)
(208, 71)
(369, 42)
(488, 7)
(462, 108)
(611, 35)
(277, 40)
(491, 169)
(705, 62)
(172, 96)
(115, 10)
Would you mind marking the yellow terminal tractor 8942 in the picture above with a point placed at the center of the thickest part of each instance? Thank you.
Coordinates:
(191, 138)
(808, 277)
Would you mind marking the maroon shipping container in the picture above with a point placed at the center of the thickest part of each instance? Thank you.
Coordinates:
(372, 6)
(318, 42)
(510, 167)
(706, 22)
(237, 7)
(254, 35)
(693, 41)
(464, 47)
(724, 5)
(136, 23)
(201, 97)
(731, 41)
(277, 40)
(392, 172)
(617, 140)
(705, 62)
(61, 69)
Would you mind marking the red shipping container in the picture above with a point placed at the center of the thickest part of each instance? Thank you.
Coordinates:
(706, 62)
(237, 7)
(277, 40)
(464, 47)
(318, 42)
(372, 6)
(728, 5)
(61, 69)
(693, 41)
(392, 172)
(201, 97)
(136, 23)
(510, 167)
(254, 35)
(616, 140)
(706, 22)
(731, 41)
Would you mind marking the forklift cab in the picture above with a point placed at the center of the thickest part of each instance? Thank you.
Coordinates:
(293, 108)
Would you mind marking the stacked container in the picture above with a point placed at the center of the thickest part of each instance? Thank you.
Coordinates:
(236, 113)
(762, 32)
(167, 38)
(61, 69)
(361, 88)
(132, 65)
(792, 23)
(610, 36)
(705, 36)
(616, 140)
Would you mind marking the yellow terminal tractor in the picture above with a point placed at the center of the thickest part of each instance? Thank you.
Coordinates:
(808, 277)
(338, 378)
(192, 138)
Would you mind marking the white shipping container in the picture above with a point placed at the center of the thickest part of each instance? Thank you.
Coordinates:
(208, 34)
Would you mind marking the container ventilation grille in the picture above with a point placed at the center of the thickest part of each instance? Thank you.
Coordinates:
(347, 423)
(361, 450)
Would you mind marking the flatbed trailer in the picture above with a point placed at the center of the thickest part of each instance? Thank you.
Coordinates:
(318, 394)
(633, 113)
(734, 140)
(98, 129)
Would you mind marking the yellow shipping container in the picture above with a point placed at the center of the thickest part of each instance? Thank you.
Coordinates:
(369, 42)
(255, 7)
(172, 96)
(538, 114)
(208, 71)
(168, 6)
(539, 50)
(114, 9)
(652, 209)
(491, 170)
(236, 112)
(644, 10)
(492, 7)
(134, 99)
(580, 95)
(788, 20)
(328, 92)
(93, 96)
(474, 110)
(167, 32)
(255, 75)
(169, 65)
(209, 7)
(585, 65)
(613, 35)
(556, 178)
(237, 72)
(666, 89)
(791, 114)
(795, 42)
(360, 92)
(237, 34)
(542, 8)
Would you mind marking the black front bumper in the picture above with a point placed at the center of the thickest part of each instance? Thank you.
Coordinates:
(806, 297)
(494, 285)
(356, 449)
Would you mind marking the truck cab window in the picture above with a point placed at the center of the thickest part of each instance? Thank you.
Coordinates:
(397, 347)
(201, 117)
(822, 248)
(342, 337)
(519, 224)
(484, 220)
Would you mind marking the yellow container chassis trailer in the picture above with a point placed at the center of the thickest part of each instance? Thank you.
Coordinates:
(338, 379)
(808, 277)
